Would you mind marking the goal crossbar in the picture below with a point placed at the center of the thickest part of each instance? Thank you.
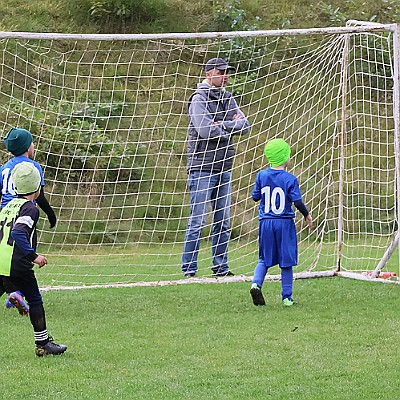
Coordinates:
(371, 27)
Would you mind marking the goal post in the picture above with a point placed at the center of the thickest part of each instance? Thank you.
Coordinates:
(109, 119)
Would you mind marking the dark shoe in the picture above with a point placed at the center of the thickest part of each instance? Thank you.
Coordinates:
(50, 348)
(224, 273)
(189, 274)
(258, 298)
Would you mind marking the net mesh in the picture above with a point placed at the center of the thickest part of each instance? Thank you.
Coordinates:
(109, 120)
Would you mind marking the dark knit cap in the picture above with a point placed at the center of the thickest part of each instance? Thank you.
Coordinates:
(18, 141)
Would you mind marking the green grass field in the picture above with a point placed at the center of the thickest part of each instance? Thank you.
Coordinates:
(201, 341)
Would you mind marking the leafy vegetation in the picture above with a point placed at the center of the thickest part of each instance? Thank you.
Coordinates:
(145, 16)
(72, 120)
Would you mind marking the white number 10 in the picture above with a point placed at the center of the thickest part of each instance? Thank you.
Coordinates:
(270, 199)
(8, 184)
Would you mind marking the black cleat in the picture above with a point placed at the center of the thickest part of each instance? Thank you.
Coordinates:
(50, 348)
(223, 273)
(258, 298)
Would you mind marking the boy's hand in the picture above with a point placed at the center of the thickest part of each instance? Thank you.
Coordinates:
(308, 219)
(41, 261)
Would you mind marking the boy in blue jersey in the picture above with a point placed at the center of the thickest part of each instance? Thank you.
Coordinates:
(20, 143)
(18, 251)
(277, 190)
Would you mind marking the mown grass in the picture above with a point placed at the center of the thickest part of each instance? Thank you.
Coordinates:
(210, 342)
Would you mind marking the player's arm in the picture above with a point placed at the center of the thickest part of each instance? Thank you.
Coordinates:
(21, 239)
(23, 228)
(256, 193)
(303, 209)
(46, 207)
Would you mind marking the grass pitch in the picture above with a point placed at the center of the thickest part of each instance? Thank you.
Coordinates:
(202, 341)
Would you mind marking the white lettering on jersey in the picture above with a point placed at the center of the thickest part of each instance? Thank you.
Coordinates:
(8, 185)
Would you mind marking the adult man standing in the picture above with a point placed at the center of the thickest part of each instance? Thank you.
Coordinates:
(214, 118)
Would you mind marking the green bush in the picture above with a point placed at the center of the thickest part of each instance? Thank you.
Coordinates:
(229, 16)
(385, 11)
(73, 139)
(118, 16)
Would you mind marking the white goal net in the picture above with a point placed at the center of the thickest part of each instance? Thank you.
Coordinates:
(109, 119)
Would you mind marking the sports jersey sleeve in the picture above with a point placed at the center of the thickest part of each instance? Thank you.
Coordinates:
(256, 194)
(46, 207)
(39, 168)
(301, 207)
(294, 190)
(23, 228)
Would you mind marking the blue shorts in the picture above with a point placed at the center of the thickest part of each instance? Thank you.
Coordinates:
(278, 242)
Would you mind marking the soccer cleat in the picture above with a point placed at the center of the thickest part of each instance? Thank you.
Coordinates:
(9, 304)
(18, 301)
(189, 274)
(288, 302)
(256, 294)
(50, 348)
(223, 273)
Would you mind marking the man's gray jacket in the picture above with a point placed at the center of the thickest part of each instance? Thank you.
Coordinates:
(211, 129)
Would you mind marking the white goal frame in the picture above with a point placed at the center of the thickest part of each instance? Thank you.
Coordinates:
(72, 258)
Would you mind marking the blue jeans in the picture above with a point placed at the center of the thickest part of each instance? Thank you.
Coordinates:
(207, 189)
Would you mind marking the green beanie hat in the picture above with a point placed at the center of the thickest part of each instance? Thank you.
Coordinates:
(26, 178)
(277, 152)
(18, 141)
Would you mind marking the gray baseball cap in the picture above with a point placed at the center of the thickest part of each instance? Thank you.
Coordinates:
(218, 63)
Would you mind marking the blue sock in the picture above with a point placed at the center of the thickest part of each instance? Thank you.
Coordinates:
(287, 282)
(259, 273)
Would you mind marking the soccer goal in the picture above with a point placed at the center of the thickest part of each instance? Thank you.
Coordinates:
(109, 119)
